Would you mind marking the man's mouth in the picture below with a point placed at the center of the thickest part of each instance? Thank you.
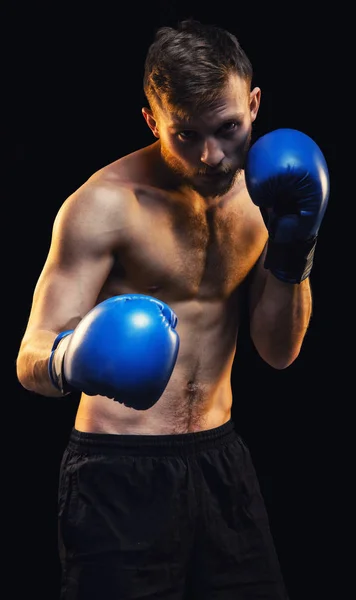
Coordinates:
(214, 175)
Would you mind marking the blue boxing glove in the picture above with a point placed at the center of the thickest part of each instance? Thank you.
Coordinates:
(125, 348)
(287, 177)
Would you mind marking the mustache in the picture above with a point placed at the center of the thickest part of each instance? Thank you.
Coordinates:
(210, 171)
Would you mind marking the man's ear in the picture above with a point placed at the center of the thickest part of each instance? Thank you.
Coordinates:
(255, 99)
(150, 120)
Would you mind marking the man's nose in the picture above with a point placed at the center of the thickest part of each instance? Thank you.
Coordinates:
(212, 153)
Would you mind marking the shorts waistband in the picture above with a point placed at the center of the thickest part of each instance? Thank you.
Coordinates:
(182, 443)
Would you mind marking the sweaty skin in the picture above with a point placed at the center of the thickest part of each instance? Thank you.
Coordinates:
(131, 228)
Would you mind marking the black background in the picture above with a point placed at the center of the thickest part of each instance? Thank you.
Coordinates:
(73, 98)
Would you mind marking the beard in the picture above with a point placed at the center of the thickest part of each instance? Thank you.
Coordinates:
(207, 181)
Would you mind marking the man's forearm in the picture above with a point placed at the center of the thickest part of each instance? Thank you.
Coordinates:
(280, 321)
(32, 364)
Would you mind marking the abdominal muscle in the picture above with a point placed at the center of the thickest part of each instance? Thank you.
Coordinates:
(198, 396)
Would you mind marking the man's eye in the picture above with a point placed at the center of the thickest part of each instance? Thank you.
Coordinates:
(229, 127)
(187, 135)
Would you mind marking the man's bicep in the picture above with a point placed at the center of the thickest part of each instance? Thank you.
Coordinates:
(62, 297)
(76, 267)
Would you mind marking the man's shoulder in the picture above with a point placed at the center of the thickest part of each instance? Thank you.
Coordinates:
(122, 176)
(130, 168)
(102, 197)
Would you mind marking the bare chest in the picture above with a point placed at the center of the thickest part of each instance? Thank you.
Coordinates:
(191, 254)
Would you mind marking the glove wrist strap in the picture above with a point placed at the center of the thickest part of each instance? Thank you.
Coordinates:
(290, 262)
(55, 363)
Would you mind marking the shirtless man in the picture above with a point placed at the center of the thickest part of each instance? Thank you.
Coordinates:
(158, 498)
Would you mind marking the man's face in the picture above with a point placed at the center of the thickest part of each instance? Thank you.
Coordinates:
(207, 151)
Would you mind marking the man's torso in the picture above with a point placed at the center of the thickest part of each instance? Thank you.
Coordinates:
(194, 259)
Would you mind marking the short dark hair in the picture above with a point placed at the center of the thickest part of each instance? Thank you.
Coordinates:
(186, 66)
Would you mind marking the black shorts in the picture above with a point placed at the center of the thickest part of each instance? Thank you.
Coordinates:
(166, 517)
